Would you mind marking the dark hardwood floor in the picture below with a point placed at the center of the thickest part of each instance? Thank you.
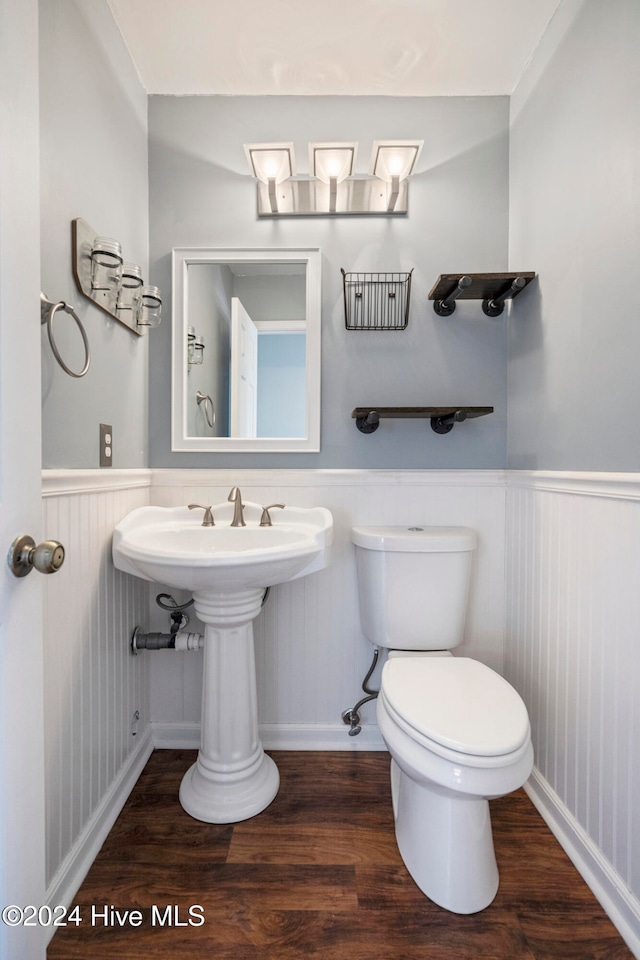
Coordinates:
(318, 875)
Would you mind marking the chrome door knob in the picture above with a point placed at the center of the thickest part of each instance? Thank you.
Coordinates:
(24, 555)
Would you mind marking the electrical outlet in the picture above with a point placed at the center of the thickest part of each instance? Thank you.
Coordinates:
(106, 445)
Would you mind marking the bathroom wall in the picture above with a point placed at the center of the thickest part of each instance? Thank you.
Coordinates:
(201, 193)
(575, 219)
(95, 746)
(93, 113)
(573, 608)
(572, 545)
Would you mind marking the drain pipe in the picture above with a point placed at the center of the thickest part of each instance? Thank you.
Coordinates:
(177, 638)
(165, 641)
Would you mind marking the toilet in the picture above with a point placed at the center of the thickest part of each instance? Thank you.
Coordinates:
(457, 732)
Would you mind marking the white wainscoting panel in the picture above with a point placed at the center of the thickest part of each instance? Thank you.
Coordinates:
(311, 655)
(572, 649)
(93, 685)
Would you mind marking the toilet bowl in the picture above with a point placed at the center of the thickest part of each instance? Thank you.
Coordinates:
(457, 732)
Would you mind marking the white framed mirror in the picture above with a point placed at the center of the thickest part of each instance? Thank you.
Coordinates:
(246, 350)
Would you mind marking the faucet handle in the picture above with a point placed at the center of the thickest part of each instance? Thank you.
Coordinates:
(207, 520)
(265, 519)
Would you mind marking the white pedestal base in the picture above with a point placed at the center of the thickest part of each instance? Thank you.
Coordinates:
(233, 779)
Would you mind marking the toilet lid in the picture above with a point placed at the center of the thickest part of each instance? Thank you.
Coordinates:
(457, 702)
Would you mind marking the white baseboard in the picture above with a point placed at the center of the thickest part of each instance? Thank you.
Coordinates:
(75, 866)
(276, 736)
(615, 897)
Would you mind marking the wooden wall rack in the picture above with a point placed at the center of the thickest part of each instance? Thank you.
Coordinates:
(492, 288)
(442, 418)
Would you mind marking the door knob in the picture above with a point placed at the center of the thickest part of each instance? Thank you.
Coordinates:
(24, 555)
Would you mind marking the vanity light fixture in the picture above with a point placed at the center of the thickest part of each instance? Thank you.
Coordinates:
(383, 192)
(393, 161)
(271, 163)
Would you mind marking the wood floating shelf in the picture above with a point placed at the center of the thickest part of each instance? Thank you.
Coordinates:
(492, 288)
(442, 418)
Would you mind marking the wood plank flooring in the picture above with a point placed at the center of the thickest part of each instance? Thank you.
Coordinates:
(318, 875)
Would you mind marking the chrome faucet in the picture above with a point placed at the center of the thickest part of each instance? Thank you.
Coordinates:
(235, 497)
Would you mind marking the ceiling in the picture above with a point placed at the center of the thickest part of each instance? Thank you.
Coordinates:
(347, 47)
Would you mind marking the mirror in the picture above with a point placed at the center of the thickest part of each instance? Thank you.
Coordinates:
(246, 350)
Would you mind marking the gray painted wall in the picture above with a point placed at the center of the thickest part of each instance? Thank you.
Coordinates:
(201, 194)
(574, 343)
(93, 113)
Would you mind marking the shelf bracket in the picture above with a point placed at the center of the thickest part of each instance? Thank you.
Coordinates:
(370, 423)
(445, 424)
(493, 307)
(444, 308)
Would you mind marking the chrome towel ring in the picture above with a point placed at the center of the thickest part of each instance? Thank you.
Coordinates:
(48, 310)
(207, 405)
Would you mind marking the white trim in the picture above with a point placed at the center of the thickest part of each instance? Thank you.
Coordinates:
(281, 326)
(276, 736)
(59, 483)
(319, 736)
(617, 486)
(606, 884)
(75, 866)
(178, 735)
(330, 478)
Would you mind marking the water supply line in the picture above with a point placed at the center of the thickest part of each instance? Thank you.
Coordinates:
(352, 716)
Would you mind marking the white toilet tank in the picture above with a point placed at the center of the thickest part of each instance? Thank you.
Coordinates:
(413, 584)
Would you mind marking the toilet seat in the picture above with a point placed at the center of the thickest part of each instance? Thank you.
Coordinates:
(458, 708)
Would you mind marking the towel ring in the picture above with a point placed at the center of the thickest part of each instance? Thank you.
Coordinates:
(48, 310)
(202, 398)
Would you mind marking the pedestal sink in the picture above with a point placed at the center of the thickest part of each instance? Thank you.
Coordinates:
(227, 569)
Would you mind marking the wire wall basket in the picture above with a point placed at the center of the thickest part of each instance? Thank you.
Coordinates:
(376, 301)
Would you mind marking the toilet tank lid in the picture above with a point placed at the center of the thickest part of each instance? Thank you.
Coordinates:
(415, 538)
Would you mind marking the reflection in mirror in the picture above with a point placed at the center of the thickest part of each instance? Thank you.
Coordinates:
(246, 350)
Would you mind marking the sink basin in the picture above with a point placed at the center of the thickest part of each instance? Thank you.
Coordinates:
(169, 545)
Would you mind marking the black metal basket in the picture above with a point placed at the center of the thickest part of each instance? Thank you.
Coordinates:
(376, 301)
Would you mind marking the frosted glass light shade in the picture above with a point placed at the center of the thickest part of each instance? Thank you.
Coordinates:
(332, 160)
(394, 158)
(270, 161)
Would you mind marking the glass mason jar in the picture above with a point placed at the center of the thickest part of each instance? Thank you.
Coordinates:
(129, 293)
(198, 350)
(106, 266)
(149, 312)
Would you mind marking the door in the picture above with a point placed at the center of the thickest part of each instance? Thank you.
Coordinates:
(21, 719)
(244, 373)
